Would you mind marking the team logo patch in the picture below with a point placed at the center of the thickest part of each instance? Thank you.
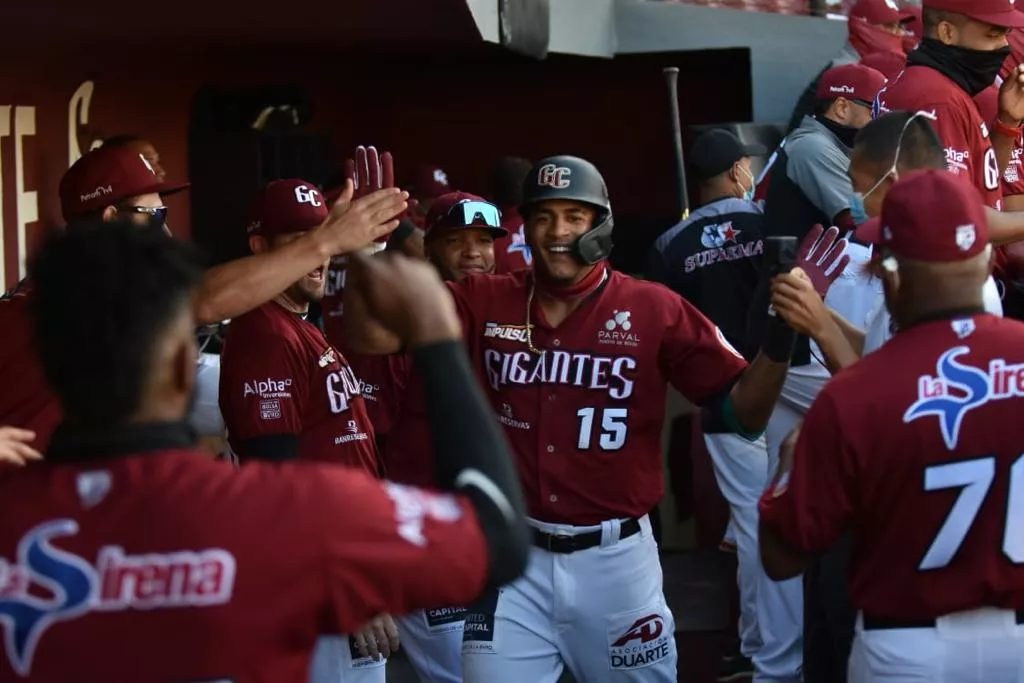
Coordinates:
(270, 409)
(517, 333)
(327, 358)
(618, 330)
(958, 388)
(554, 176)
(478, 632)
(718, 235)
(445, 619)
(965, 236)
(646, 641)
(116, 582)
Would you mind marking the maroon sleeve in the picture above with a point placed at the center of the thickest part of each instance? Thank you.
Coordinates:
(263, 385)
(411, 549)
(954, 131)
(464, 293)
(695, 356)
(810, 505)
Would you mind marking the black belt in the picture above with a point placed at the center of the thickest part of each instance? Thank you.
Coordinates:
(565, 544)
(872, 623)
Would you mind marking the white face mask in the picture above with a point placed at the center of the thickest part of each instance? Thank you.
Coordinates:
(748, 194)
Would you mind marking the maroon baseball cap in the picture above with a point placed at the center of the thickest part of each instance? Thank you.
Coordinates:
(852, 81)
(286, 206)
(931, 216)
(104, 177)
(460, 211)
(428, 182)
(996, 12)
(880, 12)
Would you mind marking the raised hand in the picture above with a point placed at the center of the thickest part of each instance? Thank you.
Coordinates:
(822, 257)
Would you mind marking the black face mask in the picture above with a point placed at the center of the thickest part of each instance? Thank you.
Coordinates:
(973, 70)
(846, 134)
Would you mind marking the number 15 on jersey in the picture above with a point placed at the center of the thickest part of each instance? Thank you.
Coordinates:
(609, 425)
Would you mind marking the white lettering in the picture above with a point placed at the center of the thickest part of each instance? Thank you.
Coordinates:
(611, 374)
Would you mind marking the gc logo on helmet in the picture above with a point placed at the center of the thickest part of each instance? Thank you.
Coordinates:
(574, 179)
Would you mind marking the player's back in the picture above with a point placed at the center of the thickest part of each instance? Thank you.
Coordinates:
(25, 397)
(156, 563)
(937, 468)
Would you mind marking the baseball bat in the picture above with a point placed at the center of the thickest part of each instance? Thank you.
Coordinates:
(671, 74)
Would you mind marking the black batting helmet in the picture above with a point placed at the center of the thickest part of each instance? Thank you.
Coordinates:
(575, 179)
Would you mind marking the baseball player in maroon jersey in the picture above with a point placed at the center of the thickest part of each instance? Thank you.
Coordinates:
(462, 231)
(962, 52)
(128, 555)
(576, 359)
(901, 449)
(118, 182)
(286, 393)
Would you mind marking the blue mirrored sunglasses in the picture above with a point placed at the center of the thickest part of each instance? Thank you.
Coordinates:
(468, 212)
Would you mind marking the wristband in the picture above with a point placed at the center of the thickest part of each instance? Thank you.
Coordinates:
(779, 341)
(1008, 131)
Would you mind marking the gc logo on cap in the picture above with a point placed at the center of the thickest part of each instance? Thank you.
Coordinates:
(287, 206)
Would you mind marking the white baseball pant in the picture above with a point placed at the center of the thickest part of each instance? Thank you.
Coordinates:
(979, 646)
(741, 469)
(599, 611)
(336, 659)
(781, 604)
(432, 639)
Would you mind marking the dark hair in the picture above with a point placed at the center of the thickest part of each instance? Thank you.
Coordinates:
(931, 18)
(507, 179)
(921, 149)
(103, 293)
(121, 140)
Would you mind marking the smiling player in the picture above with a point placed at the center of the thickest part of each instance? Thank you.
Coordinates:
(286, 393)
(576, 359)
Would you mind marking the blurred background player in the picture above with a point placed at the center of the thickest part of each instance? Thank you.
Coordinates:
(241, 542)
(425, 183)
(915, 468)
(511, 251)
(876, 31)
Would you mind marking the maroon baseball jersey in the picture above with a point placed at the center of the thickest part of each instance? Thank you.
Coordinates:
(383, 379)
(26, 400)
(958, 123)
(510, 252)
(331, 304)
(166, 566)
(585, 417)
(279, 375)
(915, 448)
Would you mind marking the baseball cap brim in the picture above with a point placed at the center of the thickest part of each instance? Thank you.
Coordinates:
(164, 189)
(1009, 19)
(870, 232)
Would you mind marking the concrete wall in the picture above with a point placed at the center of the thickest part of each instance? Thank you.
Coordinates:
(786, 51)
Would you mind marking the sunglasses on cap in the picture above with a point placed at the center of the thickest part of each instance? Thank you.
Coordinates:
(469, 212)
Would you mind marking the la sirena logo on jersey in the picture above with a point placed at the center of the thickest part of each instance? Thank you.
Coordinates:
(48, 585)
(959, 388)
